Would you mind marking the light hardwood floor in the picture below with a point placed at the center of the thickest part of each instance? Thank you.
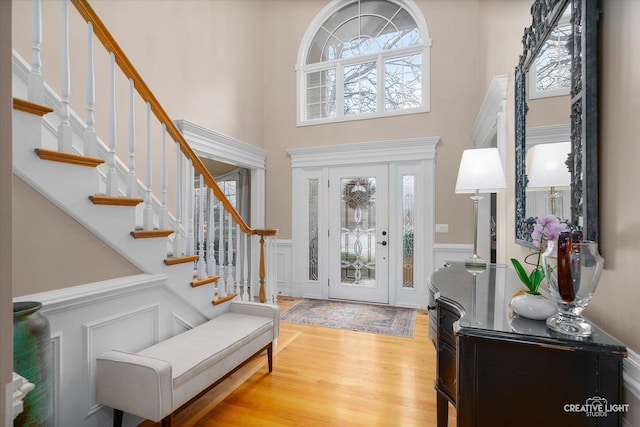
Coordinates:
(325, 376)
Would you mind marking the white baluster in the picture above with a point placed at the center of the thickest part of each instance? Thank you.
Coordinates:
(132, 179)
(221, 281)
(245, 269)
(211, 236)
(147, 216)
(178, 237)
(201, 265)
(230, 256)
(189, 211)
(112, 178)
(90, 139)
(163, 216)
(36, 82)
(64, 129)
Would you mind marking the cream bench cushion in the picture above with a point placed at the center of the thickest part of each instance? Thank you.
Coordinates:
(156, 381)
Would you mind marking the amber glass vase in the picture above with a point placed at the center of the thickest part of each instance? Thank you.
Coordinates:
(572, 271)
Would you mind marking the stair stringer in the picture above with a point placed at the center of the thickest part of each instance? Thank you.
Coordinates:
(68, 187)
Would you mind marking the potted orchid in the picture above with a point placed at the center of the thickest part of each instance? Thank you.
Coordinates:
(546, 228)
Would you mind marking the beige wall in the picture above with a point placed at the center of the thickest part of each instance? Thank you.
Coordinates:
(455, 100)
(615, 302)
(191, 53)
(549, 111)
(6, 176)
(52, 251)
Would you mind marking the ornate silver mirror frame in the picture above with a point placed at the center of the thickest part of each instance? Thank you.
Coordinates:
(583, 159)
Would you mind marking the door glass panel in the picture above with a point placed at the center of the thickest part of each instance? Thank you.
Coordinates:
(408, 212)
(358, 230)
(313, 229)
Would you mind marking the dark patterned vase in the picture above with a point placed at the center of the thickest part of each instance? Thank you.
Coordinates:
(32, 360)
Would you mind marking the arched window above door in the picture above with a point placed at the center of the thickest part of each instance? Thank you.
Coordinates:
(363, 59)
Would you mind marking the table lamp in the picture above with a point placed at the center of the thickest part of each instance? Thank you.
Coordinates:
(480, 172)
(547, 170)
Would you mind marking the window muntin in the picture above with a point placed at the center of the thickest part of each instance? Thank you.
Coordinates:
(366, 58)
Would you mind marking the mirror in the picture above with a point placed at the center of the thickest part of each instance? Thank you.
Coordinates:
(561, 85)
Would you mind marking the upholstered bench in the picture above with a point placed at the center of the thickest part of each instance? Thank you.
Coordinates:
(155, 382)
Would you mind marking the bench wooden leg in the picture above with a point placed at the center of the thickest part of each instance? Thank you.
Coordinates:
(167, 421)
(117, 418)
(270, 356)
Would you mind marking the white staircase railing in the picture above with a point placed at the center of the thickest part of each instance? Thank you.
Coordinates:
(202, 221)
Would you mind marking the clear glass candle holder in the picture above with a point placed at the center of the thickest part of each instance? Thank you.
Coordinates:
(572, 279)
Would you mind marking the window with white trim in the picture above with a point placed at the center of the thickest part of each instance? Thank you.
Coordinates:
(363, 59)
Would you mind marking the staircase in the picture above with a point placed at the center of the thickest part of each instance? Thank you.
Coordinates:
(194, 249)
(61, 156)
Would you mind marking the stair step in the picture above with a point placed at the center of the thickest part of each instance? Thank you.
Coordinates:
(115, 201)
(180, 260)
(204, 281)
(74, 159)
(148, 234)
(223, 299)
(31, 107)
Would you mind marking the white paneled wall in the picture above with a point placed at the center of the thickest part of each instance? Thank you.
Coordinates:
(127, 314)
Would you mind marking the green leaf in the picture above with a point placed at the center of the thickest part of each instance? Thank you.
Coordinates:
(522, 274)
(536, 277)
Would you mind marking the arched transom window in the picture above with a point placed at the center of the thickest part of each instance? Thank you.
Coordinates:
(362, 59)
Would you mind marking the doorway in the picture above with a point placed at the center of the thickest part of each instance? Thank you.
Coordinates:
(363, 221)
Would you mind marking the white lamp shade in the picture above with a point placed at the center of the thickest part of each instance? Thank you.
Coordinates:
(546, 165)
(480, 169)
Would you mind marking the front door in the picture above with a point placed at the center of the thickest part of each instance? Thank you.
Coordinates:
(358, 233)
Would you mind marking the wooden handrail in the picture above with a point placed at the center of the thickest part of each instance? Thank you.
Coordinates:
(109, 42)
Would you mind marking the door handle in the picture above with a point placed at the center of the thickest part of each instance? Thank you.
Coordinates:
(383, 243)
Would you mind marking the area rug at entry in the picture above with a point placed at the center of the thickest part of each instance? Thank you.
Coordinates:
(377, 319)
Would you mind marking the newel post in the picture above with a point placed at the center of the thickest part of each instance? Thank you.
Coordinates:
(263, 294)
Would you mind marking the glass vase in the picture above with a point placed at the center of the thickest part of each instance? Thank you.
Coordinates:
(572, 271)
(32, 360)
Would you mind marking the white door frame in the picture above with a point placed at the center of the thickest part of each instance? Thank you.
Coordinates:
(214, 145)
(313, 163)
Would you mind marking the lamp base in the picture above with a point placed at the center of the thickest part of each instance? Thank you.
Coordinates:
(475, 264)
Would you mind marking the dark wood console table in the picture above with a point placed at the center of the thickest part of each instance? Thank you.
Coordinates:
(499, 369)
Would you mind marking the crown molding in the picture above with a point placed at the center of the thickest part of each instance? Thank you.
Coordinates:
(217, 146)
(365, 152)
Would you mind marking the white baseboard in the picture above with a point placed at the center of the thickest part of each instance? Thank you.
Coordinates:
(443, 252)
(631, 388)
(631, 373)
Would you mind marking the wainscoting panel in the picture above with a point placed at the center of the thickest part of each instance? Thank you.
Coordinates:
(179, 324)
(284, 267)
(443, 252)
(142, 328)
(128, 314)
(56, 368)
